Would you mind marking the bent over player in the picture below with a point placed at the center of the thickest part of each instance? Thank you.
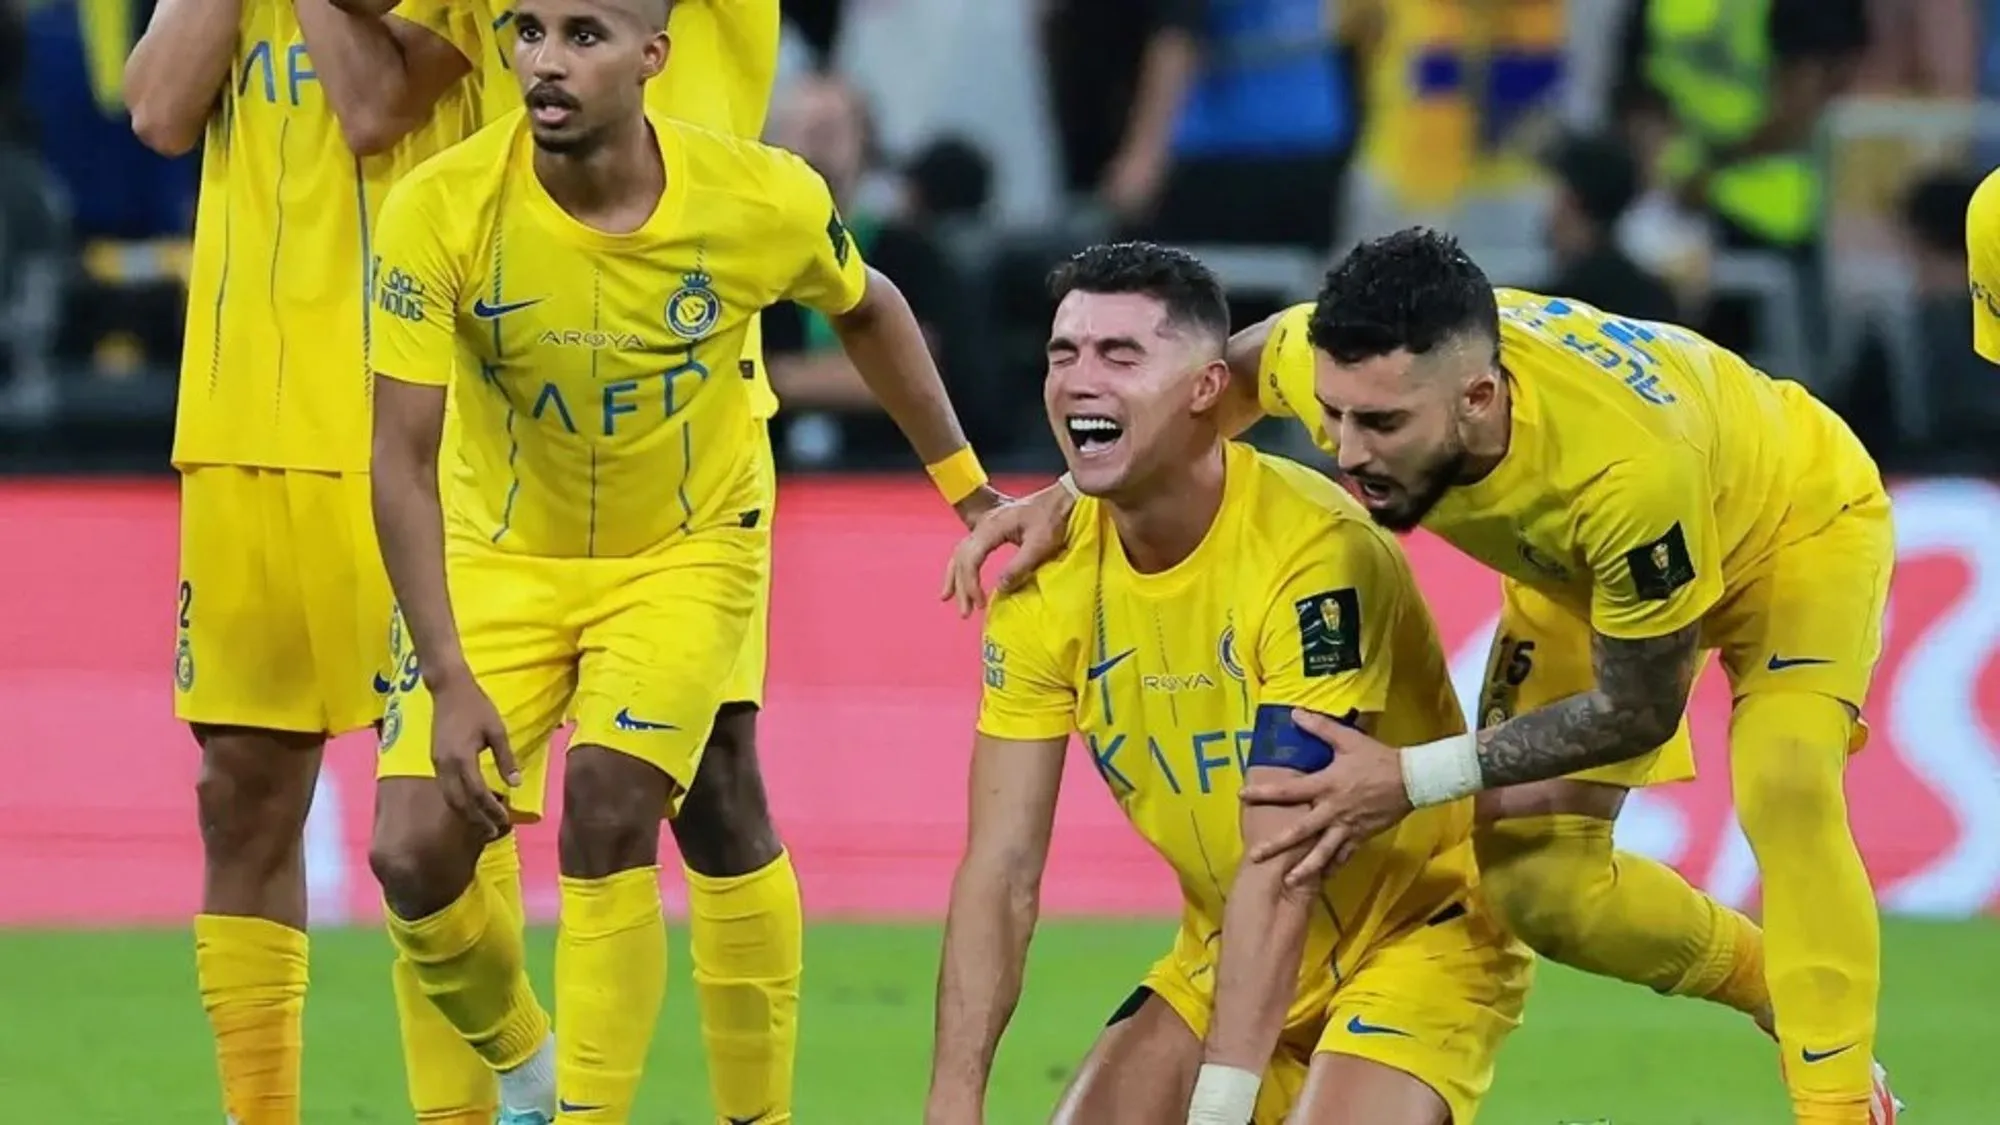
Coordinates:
(581, 278)
(1207, 592)
(1647, 496)
(306, 112)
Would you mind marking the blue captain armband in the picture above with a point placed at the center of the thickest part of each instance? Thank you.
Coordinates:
(1276, 740)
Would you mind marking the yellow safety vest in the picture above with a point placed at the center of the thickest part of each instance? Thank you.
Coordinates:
(1711, 59)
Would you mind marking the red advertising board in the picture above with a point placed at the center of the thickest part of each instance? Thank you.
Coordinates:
(872, 691)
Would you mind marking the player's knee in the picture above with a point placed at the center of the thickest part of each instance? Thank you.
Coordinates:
(422, 854)
(612, 807)
(724, 827)
(1788, 759)
(1538, 883)
(252, 795)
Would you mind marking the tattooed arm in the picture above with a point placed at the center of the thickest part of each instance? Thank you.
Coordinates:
(1642, 688)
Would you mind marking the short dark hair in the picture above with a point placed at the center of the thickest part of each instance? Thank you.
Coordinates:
(1414, 290)
(1175, 278)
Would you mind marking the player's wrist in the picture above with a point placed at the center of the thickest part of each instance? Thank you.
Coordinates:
(959, 477)
(1440, 772)
(1224, 1095)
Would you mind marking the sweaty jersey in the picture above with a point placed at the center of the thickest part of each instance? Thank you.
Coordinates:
(1982, 252)
(1648, 470)
(1293, 599)
(720, 69)
(600, 409)
(274, 372)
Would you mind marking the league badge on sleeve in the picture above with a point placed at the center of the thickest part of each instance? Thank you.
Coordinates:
(693, 309)
(1330, 632)
(836, 233)
(1661, 567)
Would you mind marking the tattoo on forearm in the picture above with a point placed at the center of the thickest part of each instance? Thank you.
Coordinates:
(1642, 688)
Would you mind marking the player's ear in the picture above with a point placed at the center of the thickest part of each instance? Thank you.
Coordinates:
(655, 56)
(1482, 392)
(1209, 384)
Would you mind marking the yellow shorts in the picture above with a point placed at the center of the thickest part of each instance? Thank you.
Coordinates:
(1435, 1002)
(636, 649)
(1810, 618)
(746, 680)
(283, 605)
(1541, 653)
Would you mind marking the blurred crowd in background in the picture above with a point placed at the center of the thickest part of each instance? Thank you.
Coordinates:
(1789, 176)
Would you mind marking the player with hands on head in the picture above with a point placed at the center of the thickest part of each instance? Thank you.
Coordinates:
(306, 111)
(1647, 497)
(1209, 598)
(579, 280)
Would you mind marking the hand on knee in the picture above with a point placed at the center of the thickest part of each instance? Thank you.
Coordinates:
(422, 853)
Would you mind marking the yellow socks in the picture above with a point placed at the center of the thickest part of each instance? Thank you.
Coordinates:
(252, 975)
(449, 1083)
(747, 937)
(468, 960)
(611, 976)
(1823, 937)
(1567, 893)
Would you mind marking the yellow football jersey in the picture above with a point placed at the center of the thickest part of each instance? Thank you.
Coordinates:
(1982, 251)
(1293, 599)
(599, 410)
(274, 372)
(1648, 471)
(721, 67)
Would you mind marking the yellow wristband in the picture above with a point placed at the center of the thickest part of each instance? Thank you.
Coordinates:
(957, 476)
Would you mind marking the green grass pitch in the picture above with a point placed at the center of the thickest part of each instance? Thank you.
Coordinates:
(106, 1028)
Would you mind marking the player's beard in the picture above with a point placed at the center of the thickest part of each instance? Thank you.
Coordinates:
(1421, 496)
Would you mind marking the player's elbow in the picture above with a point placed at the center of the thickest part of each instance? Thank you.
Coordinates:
(372, 132)
(163, 128)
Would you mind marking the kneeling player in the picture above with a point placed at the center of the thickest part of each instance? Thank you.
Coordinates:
(1207, 592)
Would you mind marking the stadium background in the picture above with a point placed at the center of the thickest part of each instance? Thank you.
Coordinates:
(873, 683)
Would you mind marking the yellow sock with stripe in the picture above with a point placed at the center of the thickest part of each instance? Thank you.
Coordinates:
(1823, 937)
(449, 1083)
(468, 960)
(252, 974)
(611, 977)
(1568, 893)
(746, 935)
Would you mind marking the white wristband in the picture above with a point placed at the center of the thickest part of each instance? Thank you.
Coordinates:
(1069, 485)
(1224, 1095)
(1442, 771)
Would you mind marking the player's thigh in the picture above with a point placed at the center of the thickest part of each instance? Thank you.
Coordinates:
(1811, 619)
(1434, 1003)
(1542, 653)
(1347, 1090)
(658, 636)
(243, 651)
(1150, 1051)
(509, 611)
(345, 592)
(746, 678)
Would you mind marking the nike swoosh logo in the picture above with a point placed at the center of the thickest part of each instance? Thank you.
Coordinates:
(382, 684)
(747, 1120)
(565, 1106)
(1097, 671)
(1355, 1026)
(1812, 1056)
(484, 311)
(623, 720)
(1780, 663)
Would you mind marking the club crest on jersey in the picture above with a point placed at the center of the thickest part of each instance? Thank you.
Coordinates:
(392, 724)
(693, 309)
(1226, 653)
(184, 664)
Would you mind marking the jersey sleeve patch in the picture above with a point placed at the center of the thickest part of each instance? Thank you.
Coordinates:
(837, 236)
(1330, 631)
(1661, 567)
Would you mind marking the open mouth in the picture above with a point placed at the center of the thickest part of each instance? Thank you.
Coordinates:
(1374, 492)
(1092, 434)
